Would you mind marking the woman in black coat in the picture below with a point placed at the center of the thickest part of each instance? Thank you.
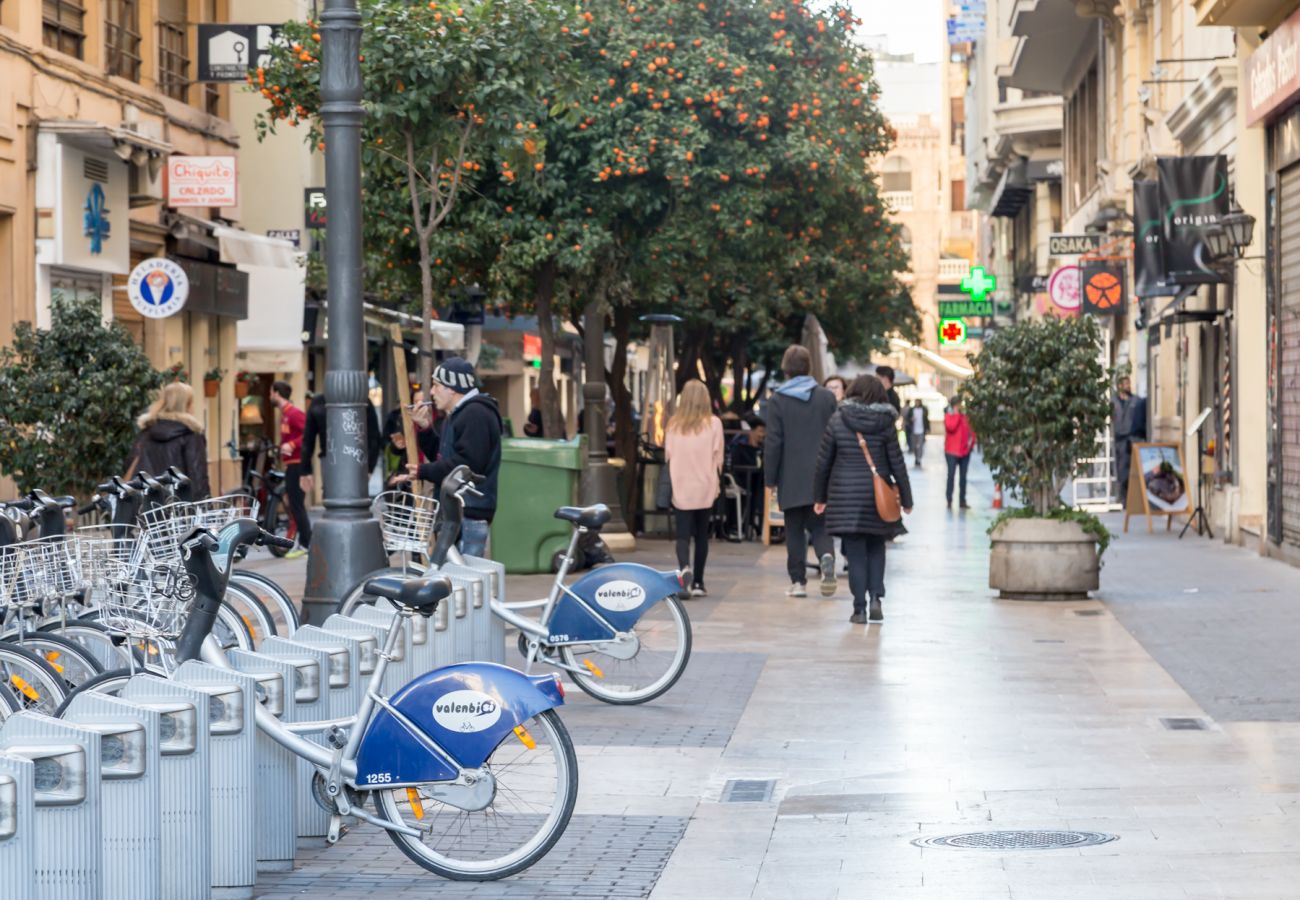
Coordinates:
(170, 435)
(844, 490)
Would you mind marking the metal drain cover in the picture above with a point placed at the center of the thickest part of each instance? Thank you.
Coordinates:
(748, 790)
(1018, 840)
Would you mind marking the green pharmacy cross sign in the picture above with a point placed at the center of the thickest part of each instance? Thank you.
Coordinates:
(977, 285)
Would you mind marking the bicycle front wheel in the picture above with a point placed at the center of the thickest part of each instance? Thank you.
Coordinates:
(275, 598)
(536, 775)
(625, 674)
(34, 684)
(69, 659)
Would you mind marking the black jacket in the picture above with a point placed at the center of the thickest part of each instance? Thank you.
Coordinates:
(170, 442)
(314, 431)
(471, 437)
(844, 480)
(794, 426)
(425, 438)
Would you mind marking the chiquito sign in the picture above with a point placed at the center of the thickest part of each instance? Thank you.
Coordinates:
(1273, 71)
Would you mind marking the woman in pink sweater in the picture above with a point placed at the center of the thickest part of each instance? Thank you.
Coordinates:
(693, 446)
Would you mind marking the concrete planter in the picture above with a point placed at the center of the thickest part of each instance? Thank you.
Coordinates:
(1043, 559)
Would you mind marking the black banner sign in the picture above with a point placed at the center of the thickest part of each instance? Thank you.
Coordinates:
(1193, 196)
(1103, 289)
(1148, 243)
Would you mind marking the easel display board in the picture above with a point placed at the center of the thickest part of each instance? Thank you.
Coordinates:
(1157, 484)
(772, 515)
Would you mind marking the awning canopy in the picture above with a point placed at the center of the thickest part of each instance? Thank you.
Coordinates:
(446, 335)
(1054, 39)
(243, 248)
(1012, 192)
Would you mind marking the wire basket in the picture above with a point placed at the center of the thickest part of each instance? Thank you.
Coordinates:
(43, 570)
(102, 552)
(406, 520)
(149, 599)
(218, 512)
(165, 527)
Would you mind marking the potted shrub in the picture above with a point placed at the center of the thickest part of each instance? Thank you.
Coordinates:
(245, 382)
(1037, 401)
(212, 382)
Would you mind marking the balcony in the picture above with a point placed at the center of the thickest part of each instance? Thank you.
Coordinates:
(1036, 121)
(898, 201)
(1054, 42)
(953, 269)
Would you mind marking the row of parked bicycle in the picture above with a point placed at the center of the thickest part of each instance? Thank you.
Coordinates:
(470, 768)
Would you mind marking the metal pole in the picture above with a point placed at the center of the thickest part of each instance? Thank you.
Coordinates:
(599, 481)
(347, 544)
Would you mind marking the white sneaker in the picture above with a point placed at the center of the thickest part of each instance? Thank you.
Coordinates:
(699, 591)
(797, 590)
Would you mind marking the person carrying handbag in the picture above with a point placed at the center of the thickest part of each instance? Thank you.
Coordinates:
(862, 487)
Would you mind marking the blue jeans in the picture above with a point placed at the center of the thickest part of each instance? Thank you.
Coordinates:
(473, 537)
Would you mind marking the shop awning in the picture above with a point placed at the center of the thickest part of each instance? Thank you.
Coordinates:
(243, 248)
(1012, 192)
(446, 335)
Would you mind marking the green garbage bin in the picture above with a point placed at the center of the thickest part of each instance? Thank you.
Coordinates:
(537, 477)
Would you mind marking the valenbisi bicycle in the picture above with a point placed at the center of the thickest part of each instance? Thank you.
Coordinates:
(471, 771)
(620, 631)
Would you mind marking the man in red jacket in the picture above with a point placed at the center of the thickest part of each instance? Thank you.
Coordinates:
(958, 444)
(292, 423)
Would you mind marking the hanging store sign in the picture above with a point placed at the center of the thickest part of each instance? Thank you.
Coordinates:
(1193, 197)
(1273, 71)
(1148, 243)
(952, 332)
(314, 201)
(93, 225)
(1074, 244)
(227, 52)
(158, 288)
(1063, 291)
(202, 181)
(1103, 288)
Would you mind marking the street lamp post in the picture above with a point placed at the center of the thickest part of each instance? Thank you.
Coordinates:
(347, 543)
(599, 481)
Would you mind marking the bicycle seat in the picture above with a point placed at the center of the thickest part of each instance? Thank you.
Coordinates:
(592, 517)
(420, 594)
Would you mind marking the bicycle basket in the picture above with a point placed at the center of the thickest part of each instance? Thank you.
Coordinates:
(406, 520)
(218, 512)
(165, 527)
(147, 599)
(45, 570)
(103, 550)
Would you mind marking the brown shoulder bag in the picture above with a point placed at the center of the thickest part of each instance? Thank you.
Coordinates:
(888, 505)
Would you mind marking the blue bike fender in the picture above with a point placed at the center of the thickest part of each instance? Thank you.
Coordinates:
(621, 593)
(466, 709)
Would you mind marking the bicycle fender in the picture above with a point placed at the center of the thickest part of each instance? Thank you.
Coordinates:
(465, 709)
(620, 594)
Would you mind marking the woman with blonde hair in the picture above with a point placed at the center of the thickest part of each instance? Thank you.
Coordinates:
(694, 449)
(170, 435)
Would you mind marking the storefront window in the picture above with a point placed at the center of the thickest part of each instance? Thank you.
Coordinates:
(67, 285)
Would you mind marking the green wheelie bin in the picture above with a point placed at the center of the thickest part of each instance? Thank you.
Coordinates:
(537, 477)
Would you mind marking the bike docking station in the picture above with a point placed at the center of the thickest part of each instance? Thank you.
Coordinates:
(401, 669)
(277, 768)
(17, 833)
(232, 765)
(343, 675)
(371, 636)
(489, 630)
(185, 782)
(131, 793)
(67, 861)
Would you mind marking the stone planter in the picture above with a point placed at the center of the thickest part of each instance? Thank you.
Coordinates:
(1043, 559)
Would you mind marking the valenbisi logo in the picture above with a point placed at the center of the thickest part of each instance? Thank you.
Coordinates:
(466, 711)
(620, 596)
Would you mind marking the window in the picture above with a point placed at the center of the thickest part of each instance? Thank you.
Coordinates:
(905, 239)
(173, 50)
(211, 95)
(61, 25)
(1082, 138)
(957, 117)
(896, 174)
(958, 196)
(122, 38)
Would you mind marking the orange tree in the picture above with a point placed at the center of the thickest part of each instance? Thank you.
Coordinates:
(445, 84)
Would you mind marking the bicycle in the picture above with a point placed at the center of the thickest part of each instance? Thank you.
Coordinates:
(620, 631)
(473, 774)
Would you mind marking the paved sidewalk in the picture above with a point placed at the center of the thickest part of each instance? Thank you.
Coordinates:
(960, 714)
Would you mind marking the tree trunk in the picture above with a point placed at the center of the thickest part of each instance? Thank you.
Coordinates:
(426, 315)
(625, 439)
(739, 374)
(543, 297)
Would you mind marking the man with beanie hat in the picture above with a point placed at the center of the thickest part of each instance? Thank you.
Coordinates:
(471, 437)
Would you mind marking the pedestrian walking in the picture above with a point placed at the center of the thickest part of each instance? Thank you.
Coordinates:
(1129, 421)
(293, 422)
(837, 386)
(170, 435)
(693, 447)
(471, 436)
(918, 426)
(885, 374)
(860, 442)
(958, 444)
(796, 417)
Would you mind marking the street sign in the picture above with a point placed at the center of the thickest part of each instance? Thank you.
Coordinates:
(952, 332)
(314, 200)
(953, 309)
(1074, 244)
(227, 52)
(292, 235)
(158, 288)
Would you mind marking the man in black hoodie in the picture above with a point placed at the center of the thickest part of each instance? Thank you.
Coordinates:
(471, 437)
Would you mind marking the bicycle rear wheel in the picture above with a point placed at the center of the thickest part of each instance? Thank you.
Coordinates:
(656, 661)
(256, 617)
(66, 657)
(276, 519)
(34, 684)
(536, 773)
(275, 598)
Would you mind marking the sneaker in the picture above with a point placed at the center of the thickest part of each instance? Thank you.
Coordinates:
(858, 618)
(964, 505)
(797, 590)
(296, 553)
(877, 615)
(828, 575)
(699, 591)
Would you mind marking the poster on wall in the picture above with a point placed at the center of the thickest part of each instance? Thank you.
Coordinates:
(1148, 243)
(1103, 288)
(1193, 196)
(1157, 485)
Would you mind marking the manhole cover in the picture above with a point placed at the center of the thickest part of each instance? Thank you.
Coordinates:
(1018, 840)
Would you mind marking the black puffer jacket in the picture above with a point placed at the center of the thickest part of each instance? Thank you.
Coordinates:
(174, 442)
(843, 479)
